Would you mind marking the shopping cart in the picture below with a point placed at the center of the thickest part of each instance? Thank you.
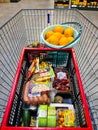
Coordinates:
(24, 28)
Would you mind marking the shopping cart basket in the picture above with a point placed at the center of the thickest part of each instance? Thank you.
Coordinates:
(24, 28)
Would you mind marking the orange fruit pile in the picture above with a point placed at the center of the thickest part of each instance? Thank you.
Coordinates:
(60, 36)
(60, 121)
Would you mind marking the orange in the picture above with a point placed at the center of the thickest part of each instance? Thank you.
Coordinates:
(70, 39)
(68, 32)
(60, 126)
(48, 34)
(63, 41)
(63, 124)
(61, 119)
(59, 113)
(63, 35)
(53, 40)
(58, 34)
(62, 115)
(58, 29)
(59, 122)
(47, 39)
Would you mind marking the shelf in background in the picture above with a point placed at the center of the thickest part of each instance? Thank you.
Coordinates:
(62, 4)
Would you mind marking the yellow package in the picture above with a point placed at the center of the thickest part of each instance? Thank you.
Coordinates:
(69, 118)
(44, 76)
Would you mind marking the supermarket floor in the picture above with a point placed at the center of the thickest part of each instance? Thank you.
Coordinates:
(7, 10)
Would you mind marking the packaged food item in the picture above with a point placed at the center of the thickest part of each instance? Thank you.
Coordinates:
(58, 99)
(34, 94)
(61, 75)
(51, 111)
(25, 93)
(65, 118)
(33, 121)
(32, 68)
(63, 114)
(69, 118)
(60, 118)
(61, 81)
(42, 116)
(37, 87)
(26, 117)
(51, 120)
(46, 116)
(37, 65)
(52, 93)
(42, 76)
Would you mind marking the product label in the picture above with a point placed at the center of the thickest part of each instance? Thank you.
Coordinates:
(30, 93)
(61, 75)
(42, 113)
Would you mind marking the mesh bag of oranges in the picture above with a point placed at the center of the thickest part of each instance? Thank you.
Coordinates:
(61, 35)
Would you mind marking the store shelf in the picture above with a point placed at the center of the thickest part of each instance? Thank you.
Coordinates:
(78, 5)
(86, 8)
(14, 0)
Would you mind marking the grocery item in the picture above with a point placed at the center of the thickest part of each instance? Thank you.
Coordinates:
(36, 87)
(59, 29)
(61, 80)
(59, 35)
(45, 72)
(69, 118)
(68, 32)
(48, 34)
(60, 118)
(35, 94)
(41, 81)
(51, 110)
(32, 68)
(26, 117)
(25, 93)
(33, 121)
(61, 75)
(51, 120)
(53, 39)
(34, 44)
(62, 85)
(42, 116)
(63, 41)
(52, 95)
(58, 99)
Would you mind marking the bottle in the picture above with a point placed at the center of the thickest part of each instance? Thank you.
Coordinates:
(26, 117)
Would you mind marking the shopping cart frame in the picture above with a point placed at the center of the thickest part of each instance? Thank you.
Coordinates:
(14, 86)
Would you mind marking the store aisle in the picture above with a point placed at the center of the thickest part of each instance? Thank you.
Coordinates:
(7, 10)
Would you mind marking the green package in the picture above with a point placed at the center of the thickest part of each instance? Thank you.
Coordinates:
(51, 111)
(51, 121)
(42, 122)
(42, 117)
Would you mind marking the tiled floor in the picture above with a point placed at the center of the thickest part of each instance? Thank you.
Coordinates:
(7, 10)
